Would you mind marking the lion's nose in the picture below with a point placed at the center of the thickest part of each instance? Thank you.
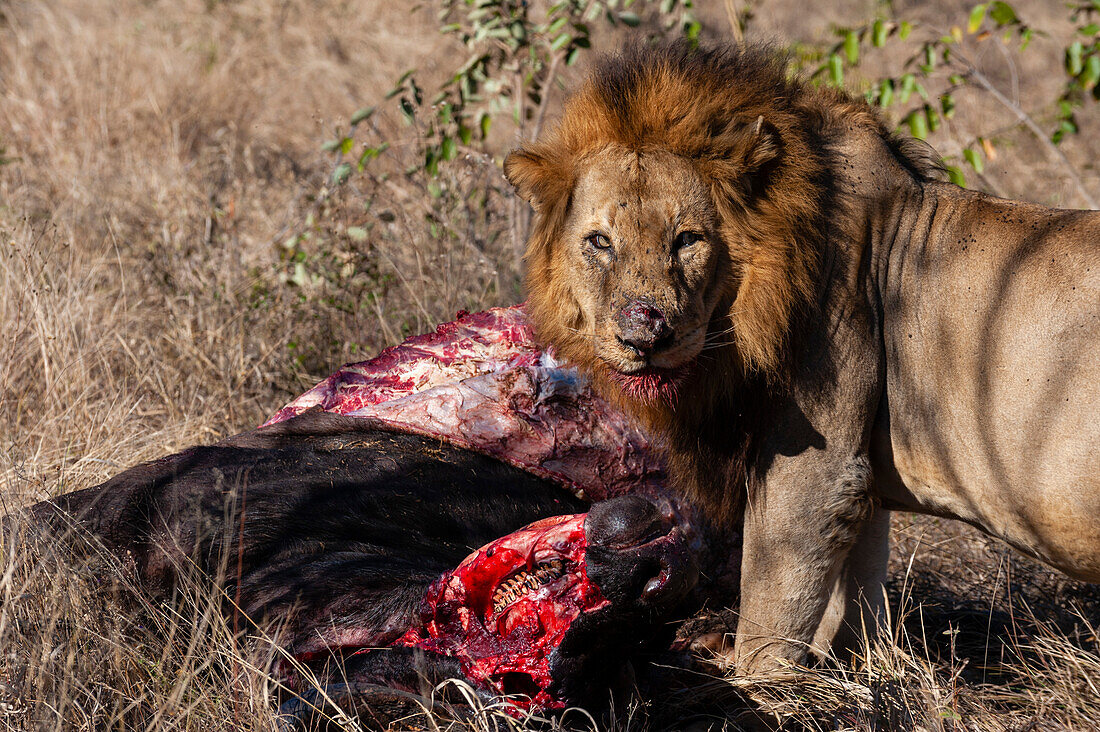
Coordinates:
(643, 328)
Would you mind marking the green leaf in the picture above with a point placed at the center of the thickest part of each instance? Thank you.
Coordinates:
(929, 58)
(1089, 30)
(1074, 63)
(357, 233)
(918, 124)
(947, 104)
(933, 117)
(630, 19)
(851, 47)
(560, 42)
(572, 57)
(977, 15)
(879, 31)
(448, 149)
(361, 115)
(886, 92)
(399, 85)
(485, 123)
(556, 25)
(1002, 13)
(975, 160)
(332, 145)
(904, 29)
(1091, 75)
(465, 134)
(346, 145)
(955, 175)
(836, 69)
(908, 86)
(1025, 38)
(692, 29)
(341, 174)
(370, 154)
(446, 113)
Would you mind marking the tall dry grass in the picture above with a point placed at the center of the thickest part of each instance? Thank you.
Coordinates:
(164, 153)
(162, 150)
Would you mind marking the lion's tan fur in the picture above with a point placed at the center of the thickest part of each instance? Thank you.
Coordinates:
(884, 341)
(748, 130)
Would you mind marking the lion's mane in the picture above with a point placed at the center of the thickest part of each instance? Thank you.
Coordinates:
(754, 133)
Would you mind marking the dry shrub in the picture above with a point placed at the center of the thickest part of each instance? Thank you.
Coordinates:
(161, 153)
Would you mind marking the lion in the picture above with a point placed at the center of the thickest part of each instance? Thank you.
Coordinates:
(819, 328)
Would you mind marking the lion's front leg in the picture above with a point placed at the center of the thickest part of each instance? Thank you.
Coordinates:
(857, 608)
(799, 533)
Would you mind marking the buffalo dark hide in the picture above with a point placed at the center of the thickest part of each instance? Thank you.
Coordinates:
(328, 531)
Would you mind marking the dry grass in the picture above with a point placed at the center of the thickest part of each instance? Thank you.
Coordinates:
(164, 153)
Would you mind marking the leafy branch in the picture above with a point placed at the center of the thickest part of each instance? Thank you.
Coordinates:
(942, 62)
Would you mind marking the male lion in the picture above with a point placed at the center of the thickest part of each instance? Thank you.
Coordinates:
(785, 292)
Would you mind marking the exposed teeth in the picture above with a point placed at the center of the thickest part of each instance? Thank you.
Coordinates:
(524, 581)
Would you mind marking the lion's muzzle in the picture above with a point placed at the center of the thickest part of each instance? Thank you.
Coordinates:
(643, 328)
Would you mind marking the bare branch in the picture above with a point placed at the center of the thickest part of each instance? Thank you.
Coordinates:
(547, 87)
(734, 16)
(975, 75)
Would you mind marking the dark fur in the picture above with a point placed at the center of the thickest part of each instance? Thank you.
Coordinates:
(326, 522)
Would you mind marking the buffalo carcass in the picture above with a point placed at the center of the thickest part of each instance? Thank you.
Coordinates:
(378, 523)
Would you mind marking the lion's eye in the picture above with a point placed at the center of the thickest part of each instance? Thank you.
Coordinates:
(685, 239)
(598, 241)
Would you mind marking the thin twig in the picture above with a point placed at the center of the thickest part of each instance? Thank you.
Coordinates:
(519, 238)
(520, 214)
(735, 20)
(547, 87)
(981, 80)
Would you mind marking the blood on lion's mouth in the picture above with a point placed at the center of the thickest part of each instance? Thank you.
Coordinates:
(651, 383)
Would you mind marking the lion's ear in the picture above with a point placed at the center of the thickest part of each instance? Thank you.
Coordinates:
(537, 178)
(747, 154)
(777, 261)
(762, 146)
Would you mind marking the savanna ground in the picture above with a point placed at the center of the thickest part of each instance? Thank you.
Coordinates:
(176, 262)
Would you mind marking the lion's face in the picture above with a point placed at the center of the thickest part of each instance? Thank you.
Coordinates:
(677, 226)
(642, 245)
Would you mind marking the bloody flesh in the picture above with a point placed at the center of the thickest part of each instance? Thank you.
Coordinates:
(507, 606)
(483, 383)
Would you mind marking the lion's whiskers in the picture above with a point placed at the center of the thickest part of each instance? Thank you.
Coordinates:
(727, 331)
